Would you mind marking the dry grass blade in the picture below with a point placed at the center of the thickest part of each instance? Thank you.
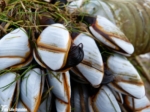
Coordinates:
(25, 70)
(26, 13)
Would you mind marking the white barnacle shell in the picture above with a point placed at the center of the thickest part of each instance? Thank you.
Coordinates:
(15, 49)
(74, 5)
(47, 0)
(45, 105)
(61, 85)
(79, 98)
(97, 7)
(53, 46)
(62, 106)
(91, 7)
(137, 105)
(20, 105)
(118, 96)
(127, 80)
(91, 68)
(110, 35)
(31, 89)
(105, 101)
(7, 94)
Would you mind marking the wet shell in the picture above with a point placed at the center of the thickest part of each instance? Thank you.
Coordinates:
(6, 95)
(132, 17)
(97, 7)
(110, 35)
(74, 5)
(15, 49)
(127, 80)
(61, 85)
(21, 106)
(47, 0)
(62, 106)
(138, 105)
(53, 46)
(103, 98)
(45, 105)
(32, 86)
(79, 98)
(118, 96)
(91, 67)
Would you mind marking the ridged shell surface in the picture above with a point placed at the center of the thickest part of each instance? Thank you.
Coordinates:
(103, 98)
(14, 48)
(61, 85)
(32, 87)
(53, 46)
(6, 94)
(127, 80)
(91, 67)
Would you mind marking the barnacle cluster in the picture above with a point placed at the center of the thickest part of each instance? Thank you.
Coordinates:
(64, 56)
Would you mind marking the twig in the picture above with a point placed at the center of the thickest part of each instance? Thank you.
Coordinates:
(23, 7)
(2, 29)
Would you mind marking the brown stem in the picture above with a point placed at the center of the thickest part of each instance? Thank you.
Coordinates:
(2, 29)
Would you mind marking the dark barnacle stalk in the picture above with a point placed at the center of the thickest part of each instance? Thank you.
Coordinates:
(2, 5)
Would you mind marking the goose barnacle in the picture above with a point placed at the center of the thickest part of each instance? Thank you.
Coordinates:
(55, 51)
(91, 68)
(15, 49)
